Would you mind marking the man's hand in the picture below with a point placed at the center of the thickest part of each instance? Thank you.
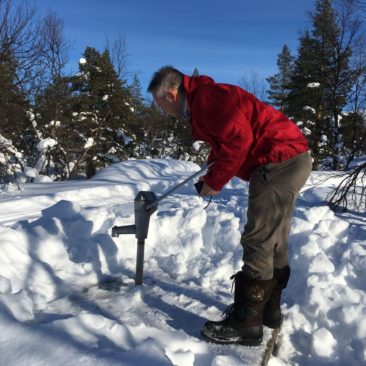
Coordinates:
(207, 190)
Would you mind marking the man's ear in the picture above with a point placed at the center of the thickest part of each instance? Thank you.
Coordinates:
(171, 95)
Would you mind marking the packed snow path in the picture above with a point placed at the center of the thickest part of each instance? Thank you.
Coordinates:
(57, 258)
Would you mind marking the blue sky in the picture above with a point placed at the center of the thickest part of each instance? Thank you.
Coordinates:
(226, 39)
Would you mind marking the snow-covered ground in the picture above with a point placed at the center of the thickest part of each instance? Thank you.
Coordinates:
(57, 256)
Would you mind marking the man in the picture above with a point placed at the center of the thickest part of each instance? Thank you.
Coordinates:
(257, 143)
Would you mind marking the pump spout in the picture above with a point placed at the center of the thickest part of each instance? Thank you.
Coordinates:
(119, 230)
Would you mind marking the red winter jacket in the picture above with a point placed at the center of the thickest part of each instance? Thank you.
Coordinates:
(243, 132)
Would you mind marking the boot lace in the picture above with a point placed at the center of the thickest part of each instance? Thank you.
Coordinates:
(233, 277)
(231, 308)
(240, 312)
(229, 311)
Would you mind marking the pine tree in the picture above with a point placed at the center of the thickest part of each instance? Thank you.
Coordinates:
(336, 52)
(280, 82)
(353, 130)
(195, 72)
(140, 113)
(15, 134)
(52, 116)
(136, 94)
(153, 131)
(305, 103)
(102, 112)
(13, 106)
(320, 84)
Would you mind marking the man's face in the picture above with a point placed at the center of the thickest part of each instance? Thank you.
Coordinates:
(170, 103)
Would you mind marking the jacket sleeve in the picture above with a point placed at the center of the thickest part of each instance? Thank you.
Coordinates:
(224, 120)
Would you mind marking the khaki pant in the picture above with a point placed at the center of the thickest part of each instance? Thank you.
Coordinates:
(273, 189)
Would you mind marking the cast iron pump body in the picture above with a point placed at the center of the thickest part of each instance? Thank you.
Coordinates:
(144, 207)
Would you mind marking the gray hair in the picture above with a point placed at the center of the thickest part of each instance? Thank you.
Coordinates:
(165, 79)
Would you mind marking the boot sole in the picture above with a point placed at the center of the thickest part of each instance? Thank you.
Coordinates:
(238, 340)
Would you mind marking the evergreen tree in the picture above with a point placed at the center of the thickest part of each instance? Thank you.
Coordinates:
(320, 84)
(140, 112)
(353, 130)
(280, 82)
(15, 134)
(195, 72)
(153, 131)
(136, 94)
(161, 136)
(13, 106)
(305, 103)
(337, 52)
(102, 112)
(52, 116)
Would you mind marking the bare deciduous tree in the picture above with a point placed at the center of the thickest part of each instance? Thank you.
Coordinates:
(118, 53)
(20, 38)
(357, 3)
(37, 46)
(55, 47)
(351, 191)
(255, 84)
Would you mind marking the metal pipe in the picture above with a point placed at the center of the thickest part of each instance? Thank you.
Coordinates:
(140, 262)
(119, 230)
(178, 186)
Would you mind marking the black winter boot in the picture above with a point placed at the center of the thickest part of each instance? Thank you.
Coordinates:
(272, 316)
(244, 318)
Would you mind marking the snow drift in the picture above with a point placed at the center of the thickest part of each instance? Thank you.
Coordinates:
(58, 258)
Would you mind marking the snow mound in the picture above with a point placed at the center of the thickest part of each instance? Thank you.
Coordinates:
(323, 342)
(58, 260)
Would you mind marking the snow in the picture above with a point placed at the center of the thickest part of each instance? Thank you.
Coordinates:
(82, 61)
(323, 342)
(310, 109)
(321, 264)
(357, 162)
(47, 143)
(324, 138)
(30, 172)
(306, 131)
(197, 145)
(89, 143)
(58, 259)
(7, 146)
(313, 85)
(126, 139)
(5, 142)
(55, 123)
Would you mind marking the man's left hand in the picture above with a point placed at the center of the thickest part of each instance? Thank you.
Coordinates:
(208, 191)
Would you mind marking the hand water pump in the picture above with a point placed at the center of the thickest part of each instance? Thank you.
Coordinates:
(146, 203)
